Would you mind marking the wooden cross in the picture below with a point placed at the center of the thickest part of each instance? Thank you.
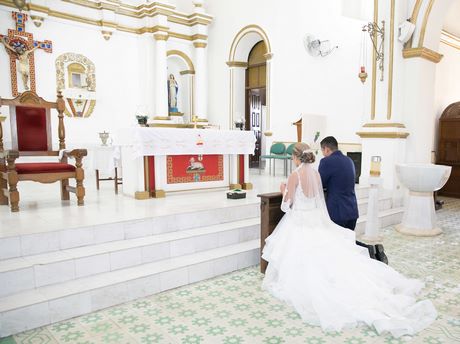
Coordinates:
(19, 40)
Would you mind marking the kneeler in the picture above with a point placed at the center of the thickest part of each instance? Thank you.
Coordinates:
(271, 214)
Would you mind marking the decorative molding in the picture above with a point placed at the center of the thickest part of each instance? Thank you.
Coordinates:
(173, 17)
(243, 32)
(382, 135)
(424, 53)
(141, 195)
(413, 19)
(186, 59)
(384, 125)
(425, 23)
(390, 63)
(237, 64)
(200, 44)
(268, 56)
(450, 39)
(185, 72)
(161, 36)
(374, 63)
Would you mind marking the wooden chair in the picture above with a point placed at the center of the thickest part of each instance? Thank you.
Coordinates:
(31, 136)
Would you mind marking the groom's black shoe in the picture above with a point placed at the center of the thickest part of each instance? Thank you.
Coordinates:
(380, 254)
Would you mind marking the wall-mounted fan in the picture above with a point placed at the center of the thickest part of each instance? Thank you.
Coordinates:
(316, 47)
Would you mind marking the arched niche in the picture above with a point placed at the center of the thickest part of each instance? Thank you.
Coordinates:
(181, 66)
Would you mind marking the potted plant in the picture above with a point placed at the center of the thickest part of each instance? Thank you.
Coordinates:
(142, 119)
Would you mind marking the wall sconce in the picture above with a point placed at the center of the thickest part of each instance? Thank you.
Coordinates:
(106, 34)
(375, 166)
(377, 34)
(37, 20)
(316, 47)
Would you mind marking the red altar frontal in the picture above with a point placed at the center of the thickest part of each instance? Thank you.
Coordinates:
(153, 165)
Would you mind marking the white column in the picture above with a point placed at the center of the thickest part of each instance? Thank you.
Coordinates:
(161, 75)
(234, 171)
(201, 80)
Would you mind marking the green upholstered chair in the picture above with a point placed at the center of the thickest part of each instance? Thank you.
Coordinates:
(277, 151)
(287, 158)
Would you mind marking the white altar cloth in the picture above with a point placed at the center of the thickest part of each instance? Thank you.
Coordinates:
(177, 141)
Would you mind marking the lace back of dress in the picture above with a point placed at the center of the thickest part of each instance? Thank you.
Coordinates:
(309, 188)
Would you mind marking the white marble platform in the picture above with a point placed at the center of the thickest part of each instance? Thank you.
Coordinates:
(59, 261)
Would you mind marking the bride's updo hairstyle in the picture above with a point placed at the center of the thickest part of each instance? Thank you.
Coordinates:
(303, 153)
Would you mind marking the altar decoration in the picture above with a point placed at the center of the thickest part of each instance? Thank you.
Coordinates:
(76, 79)
(194, 168)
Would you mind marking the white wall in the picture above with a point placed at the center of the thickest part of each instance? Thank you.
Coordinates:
(300, 83)
(447, 86)
(118, 72)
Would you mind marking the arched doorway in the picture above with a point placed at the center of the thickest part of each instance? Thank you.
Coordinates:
(256, 81)
(243, 45)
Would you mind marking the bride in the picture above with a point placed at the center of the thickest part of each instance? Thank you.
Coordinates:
(315, 266)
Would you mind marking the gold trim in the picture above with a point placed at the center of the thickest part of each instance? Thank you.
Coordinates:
(374, 63)
(162, 118)
(450, 35)
(425, 22)
(158, 194)
(161, 36)
(384, 125)
(268, 133)
(141, 195)
(176, 114)
(190, 20)
(247, 186)
(185, 72)
(413, 19)
(243, 32)
(450, 44)
(424, 53)
(200, 44)
(237, 64)
(382, 135)
(390, 67)
(268, 56)
(185, 57)
(235, 186)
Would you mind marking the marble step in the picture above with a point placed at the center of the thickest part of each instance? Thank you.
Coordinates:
(49, 304)
(24, 273)
(387, 218)
(385, 203)
(32, 244)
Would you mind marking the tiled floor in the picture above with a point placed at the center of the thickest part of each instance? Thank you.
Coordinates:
(232, 308)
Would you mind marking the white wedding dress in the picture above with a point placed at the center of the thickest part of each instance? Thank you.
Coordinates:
(315, 266)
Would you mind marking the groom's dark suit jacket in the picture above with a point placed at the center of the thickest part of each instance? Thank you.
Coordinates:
(338, 176)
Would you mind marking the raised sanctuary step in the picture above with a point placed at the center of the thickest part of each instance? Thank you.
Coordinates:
(46, 305)
(53, 276)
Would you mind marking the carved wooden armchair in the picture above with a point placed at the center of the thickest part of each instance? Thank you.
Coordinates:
(31, 136)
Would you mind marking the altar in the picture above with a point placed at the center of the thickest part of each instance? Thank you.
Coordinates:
(157, 161)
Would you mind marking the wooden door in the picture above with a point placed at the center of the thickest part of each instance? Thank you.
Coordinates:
(254, 123)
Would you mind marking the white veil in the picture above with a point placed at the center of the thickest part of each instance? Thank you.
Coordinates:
(304, 185)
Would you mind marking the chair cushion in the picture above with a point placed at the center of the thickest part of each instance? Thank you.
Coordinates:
(278, 148)
(31, 129)
(43, 167)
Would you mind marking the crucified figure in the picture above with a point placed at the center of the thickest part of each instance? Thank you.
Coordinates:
(23, 56)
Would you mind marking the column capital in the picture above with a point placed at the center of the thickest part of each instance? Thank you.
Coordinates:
(200, 44)
(161, 36)
(268, 56)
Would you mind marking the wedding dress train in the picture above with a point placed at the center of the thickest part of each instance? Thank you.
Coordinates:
(315, 266)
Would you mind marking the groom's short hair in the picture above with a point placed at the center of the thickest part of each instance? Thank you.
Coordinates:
(330, 142)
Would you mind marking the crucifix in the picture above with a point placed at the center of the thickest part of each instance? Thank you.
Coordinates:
(20, 45)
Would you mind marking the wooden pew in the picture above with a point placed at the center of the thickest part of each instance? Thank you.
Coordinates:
(270, 215)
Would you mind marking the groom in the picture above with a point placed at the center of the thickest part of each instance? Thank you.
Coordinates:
(338, 177)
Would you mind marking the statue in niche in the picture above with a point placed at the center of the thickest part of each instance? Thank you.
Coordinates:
(22, 54)
(173, 89)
